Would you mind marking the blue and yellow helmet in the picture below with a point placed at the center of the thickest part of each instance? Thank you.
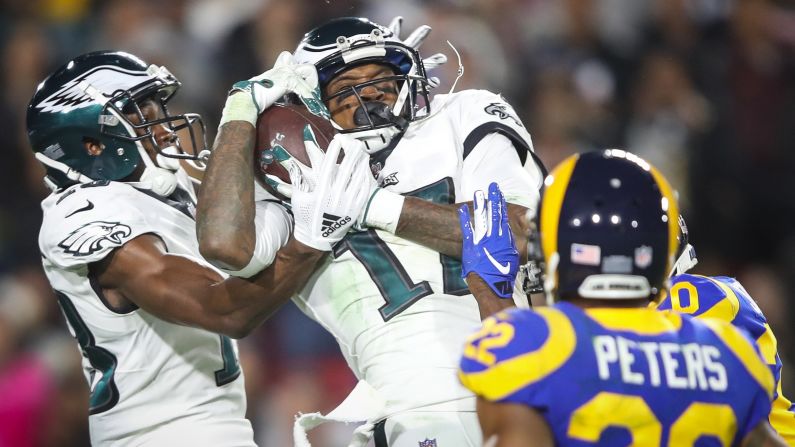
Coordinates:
(608, 226)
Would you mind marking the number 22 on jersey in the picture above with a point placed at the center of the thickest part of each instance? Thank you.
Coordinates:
(607, 409)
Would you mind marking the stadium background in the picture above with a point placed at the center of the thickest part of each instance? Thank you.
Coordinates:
(704, 89)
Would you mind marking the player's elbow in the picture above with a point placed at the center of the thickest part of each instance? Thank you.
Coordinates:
(223, 253)
(239, 324)
(234, 327)
(239, 331)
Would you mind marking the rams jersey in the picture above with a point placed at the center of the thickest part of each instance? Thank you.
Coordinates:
(608, 376)
(151, 382)
(401, 311)
(725, 299)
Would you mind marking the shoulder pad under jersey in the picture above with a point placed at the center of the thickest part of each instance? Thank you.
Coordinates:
(84, 223)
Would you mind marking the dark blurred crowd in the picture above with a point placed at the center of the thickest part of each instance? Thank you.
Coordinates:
(703, 89)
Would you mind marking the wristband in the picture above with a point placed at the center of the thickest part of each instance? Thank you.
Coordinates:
(239, 107)
(383, 210)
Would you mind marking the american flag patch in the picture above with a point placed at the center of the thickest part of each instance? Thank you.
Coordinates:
(586, 254)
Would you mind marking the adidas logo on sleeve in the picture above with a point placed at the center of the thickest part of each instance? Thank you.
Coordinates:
(332, 223)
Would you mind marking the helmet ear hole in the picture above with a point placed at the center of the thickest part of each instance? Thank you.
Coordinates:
(93, 146)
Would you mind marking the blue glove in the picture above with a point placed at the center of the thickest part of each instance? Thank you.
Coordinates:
(489, 250)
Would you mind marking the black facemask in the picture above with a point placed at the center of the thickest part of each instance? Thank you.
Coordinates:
(377, 113)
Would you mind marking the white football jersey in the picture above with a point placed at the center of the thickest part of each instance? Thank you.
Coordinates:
(151, 382)
(400, 311)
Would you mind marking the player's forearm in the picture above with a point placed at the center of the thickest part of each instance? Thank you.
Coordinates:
(182, 292)
(430, 224)
(488, 302)
(436, 226)
(234, 306)
(225, 213)
(512, 425)
(246, 303)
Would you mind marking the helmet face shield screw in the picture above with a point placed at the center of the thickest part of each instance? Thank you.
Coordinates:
(120, 151)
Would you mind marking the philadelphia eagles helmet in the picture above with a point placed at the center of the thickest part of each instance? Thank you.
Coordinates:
(89, 100)
(346, 42)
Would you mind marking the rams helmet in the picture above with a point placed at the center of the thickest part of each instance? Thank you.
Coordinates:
(608, 226)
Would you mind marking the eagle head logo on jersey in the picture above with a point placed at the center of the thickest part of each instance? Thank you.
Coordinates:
(503, 112)
(93, 237)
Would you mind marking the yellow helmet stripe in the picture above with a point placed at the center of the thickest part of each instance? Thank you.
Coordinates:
(509, 376)
(556, 185)
(671, 207)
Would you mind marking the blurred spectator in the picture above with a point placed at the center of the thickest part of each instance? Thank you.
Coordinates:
(666, 114)
(252, 46)
(25, 60)
(44, 393)
(748, 162)
(158, 35)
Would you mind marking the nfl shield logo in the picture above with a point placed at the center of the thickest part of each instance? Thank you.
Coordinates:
(428, 443)
(643, 256)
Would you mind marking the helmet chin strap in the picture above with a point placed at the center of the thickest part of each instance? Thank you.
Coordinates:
(686, 261)
(170, 163)
(376, 139)
(378, 113)
(156, 179)
(57, 165)
(160, 181)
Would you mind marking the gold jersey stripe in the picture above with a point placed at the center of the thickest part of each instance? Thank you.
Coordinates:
(733, 340)
(643, 321)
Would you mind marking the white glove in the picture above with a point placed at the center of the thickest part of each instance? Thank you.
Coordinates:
(262, 91)
(327, 201)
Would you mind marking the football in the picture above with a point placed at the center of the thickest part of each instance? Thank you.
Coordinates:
(283, 125)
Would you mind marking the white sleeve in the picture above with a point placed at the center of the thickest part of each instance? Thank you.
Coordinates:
(273, 225)
(495, 159)
(88, 222)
